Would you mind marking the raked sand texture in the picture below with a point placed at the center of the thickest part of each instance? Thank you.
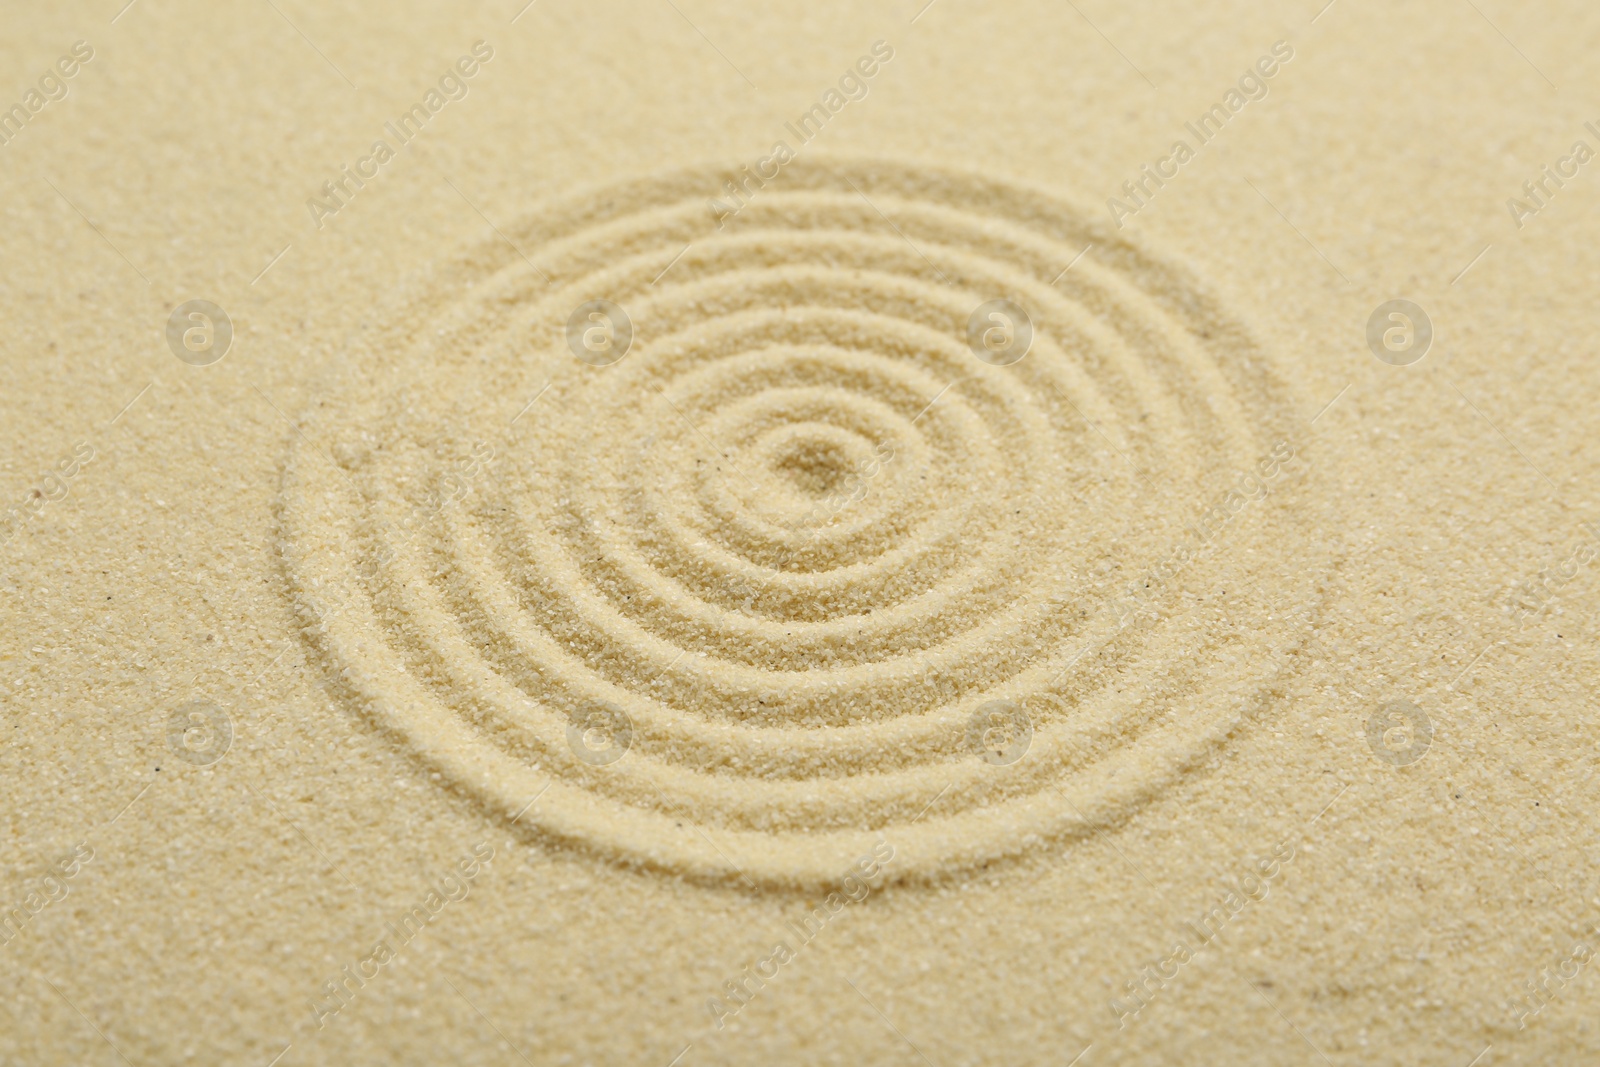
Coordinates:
(684, 534)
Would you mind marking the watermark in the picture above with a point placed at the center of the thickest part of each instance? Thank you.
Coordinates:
(1545, 988)
(41, 892)
(336, 195)
(199, 332)
(738, 191)
(1255, 484)
(1539, 191)
(338, 993)
(199, 732)
(52, 86)
(455, 484)
(854, 887)
(999, 332)
(51, 486)
(1252, 887)
(1000, 732)
(1153, 177)
(823, 511)
(1533, 596)
(1399, 332)
(599, 332)
(835, 501)
(1399, 733)
(1139, 601)
(599, 734)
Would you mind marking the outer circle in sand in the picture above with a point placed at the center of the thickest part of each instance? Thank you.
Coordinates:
(800, 536)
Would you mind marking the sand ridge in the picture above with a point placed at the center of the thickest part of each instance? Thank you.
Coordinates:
(675, 622)
(917, 505)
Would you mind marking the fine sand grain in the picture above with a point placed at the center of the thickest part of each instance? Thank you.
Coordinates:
(686, 534)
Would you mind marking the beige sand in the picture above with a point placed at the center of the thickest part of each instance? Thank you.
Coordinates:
(695, 535)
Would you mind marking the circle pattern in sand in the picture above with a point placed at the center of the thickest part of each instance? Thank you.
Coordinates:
(786, 548)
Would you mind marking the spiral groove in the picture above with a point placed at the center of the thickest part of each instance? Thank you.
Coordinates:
(797, 535)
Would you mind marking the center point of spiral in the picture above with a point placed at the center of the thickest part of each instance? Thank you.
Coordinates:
(814, 467)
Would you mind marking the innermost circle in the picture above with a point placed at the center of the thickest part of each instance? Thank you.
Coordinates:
(814, 465)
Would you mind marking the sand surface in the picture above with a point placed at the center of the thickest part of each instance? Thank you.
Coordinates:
(690, 534)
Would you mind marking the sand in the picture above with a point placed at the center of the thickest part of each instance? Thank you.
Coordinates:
(698, 535)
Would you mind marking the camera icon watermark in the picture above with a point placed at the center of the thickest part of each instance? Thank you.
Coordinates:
(599, 332)
(1000, 732)
(199, 332)
(1399, 332)
(1399, 733)
(199, 732)
(999, 333)
(599, 734)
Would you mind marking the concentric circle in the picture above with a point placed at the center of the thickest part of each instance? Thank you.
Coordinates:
(800, 536)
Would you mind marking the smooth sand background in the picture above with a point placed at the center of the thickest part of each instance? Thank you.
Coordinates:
(1420, 899)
